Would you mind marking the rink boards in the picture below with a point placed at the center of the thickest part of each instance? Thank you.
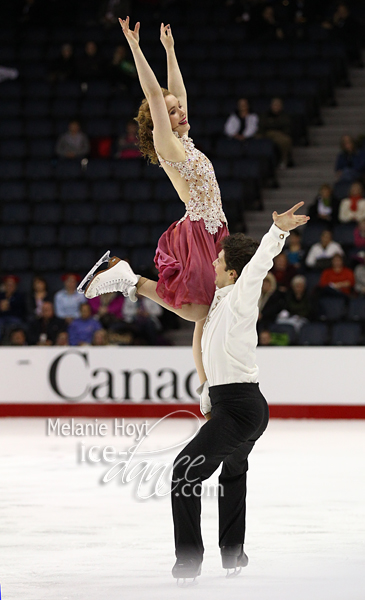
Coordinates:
(157, 381)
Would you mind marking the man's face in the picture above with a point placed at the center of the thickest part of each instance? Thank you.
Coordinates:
(223, 277)
(47, 310)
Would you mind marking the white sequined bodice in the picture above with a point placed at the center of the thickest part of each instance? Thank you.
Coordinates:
(205, 197)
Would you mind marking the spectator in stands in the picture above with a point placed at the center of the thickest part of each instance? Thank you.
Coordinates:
(266, 27)
(353, 208)
(276, 125)
(100, 338)
(44, 331)
(12, 302)
(74, 143)
(321, 253)
(128, 143)
(89, 65)
(346, 29)
(270, 303)
(122, 70)
(67, 301)
(81, 330)
(359, 274)
(265, 338)
(324, 206)
(338, 279)
(38, 295)
(350, 162)
(63, 67)
(110, 10)
(297, 300)
(62, 339)
(242, 124)
(283, 272)
(144, 315)
(359, 235)
(294, 252)
(107, 308)
(17, 337)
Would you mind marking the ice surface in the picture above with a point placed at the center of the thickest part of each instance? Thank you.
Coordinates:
(64, 535)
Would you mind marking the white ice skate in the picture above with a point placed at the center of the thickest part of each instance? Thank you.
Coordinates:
(118, 277)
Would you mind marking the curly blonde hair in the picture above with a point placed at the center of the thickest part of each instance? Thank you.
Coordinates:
(145, 129)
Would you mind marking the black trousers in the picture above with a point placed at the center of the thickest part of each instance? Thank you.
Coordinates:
(239, 416)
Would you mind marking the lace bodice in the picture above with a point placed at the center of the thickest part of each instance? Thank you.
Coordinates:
(205, 197)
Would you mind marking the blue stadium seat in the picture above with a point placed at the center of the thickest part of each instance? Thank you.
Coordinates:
(41, 235)
(104, 236)
(278, 51)
(76, 213)
(332, 309)
(291, 69)
(99, 89)
(14, 259)
(34, 71)
(133, 235)
(68, 169)
(121, 107)
(41, 148)
(356, 309)
(247, 88)
(231, 190)
(313, 334)
(36, 128)
(228, 148)
(313, 279)
(207, 70)
(246, 168)
(142, 258)
(64, 108)
(341, 190)
(74, 191)
(344, 234)
(164, 192)
(36, 108)
(68, 89)
(113, 213)
(39, 169)
(236, 69)
(147, 212)
(150, 171)
(12, 89)
(12, 235)
(15, 213)
(263, 69)
(41, 191)
(305, 50)
(137, 191)
(222, 168)
(11, 128)
(47, 213)
(38, 89)
(12, 191)
(72, 235)
(13, 148)
(99, 127)
(99, 168)
(285, 328)
(47, 259)
(346, 334)
(155, 233)
(10, 107)
(11, 169)
(80, 259)
(275, 88)
(311, 234)
(212, 127)
(174, 211)
(127, 169)
(93, 108)
(105, 191)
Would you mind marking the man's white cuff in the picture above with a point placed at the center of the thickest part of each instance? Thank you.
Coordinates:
(205, 404)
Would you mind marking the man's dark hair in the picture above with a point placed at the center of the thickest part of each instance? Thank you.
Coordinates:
(238, 251)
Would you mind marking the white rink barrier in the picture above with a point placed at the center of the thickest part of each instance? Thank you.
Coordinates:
(314, 380)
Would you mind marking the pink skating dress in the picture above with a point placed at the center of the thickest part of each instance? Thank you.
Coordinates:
(185, 251)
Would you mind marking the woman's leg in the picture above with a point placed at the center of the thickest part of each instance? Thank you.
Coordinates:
(189, 312)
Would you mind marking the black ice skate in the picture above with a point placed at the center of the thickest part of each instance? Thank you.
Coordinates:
(186, 570)
(233, 559)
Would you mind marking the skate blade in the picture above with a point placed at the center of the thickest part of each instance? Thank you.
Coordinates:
(234, 573)
(89, 276)
(183, 583)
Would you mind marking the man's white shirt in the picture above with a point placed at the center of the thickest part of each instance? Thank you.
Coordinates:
(229, 337)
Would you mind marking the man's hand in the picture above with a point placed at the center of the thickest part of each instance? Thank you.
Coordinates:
(288, 220)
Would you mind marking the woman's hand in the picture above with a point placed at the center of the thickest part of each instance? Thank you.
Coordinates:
(288, 220)
(131, 35)
(166, 37)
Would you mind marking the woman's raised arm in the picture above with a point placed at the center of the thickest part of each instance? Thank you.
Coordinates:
(166, 143)
(175, 82)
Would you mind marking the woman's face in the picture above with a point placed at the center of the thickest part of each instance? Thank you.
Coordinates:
(177, 115)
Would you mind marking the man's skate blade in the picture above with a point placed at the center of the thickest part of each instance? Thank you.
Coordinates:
(183, 583)
(89, 276)
(231, 574)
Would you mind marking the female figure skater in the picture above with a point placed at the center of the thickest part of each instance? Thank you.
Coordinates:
(186, 251)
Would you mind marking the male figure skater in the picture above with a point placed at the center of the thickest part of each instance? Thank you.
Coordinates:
(236, 410)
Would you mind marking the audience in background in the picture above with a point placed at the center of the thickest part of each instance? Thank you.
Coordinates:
(17, 337)
(74, 143)
(324, 207)
(90, 65)
(67, 301)
(294, 251)
(321, 253)
(350, 162)
(63, 67)
(62, 339)
(37, 296)
(359, 274)
(338, 279)
(12, 302)
(100, 338)
(353, 208)
(283, 272)
(297, 299)
(81, 330)
(242, 124)
(127, 145)
(45, 329)
(270, 303)
(121, 69)
(276, 125)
